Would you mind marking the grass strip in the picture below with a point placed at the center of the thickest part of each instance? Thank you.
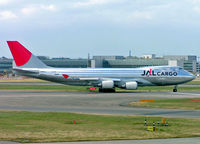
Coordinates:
(194, 82)
(43, 87)
(85, 88)
(186, 103)
(31, 80)
(58, 127)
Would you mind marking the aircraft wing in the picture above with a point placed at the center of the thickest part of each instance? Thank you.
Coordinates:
(115, 80)
(99, 79)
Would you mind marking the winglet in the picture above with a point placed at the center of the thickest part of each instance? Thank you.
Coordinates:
(20, 54)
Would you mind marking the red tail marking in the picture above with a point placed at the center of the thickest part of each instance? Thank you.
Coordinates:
(65, 76)
(20, 54)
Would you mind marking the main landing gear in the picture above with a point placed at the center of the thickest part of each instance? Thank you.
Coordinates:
(107, 90)
(175, 88)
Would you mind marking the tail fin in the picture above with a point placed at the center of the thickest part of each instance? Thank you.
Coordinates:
(24, 58)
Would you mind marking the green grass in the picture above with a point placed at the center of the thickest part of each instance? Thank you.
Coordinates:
(194, 82)
(44, 87)
(85, 88)
(186, 103)
(168, 88)
(31, 80)
(54, 127)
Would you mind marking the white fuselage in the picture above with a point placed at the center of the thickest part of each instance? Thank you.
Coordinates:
(146, 76)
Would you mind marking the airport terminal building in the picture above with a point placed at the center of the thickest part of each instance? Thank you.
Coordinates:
(188, 62)
(5, 65)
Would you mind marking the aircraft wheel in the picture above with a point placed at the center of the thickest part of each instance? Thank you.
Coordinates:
(174, 90)
(100, 90)
(106, 90)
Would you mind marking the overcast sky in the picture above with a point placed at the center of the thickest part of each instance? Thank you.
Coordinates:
(74, 28)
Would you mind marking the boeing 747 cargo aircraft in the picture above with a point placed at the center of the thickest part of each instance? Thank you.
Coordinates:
(106, 79)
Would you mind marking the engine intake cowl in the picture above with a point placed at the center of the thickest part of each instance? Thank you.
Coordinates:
(131, 85)
(109, 84)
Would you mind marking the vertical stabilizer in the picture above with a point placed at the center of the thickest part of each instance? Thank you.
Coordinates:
(24, 58)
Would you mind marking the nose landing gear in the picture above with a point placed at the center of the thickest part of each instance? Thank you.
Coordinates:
(175, 88)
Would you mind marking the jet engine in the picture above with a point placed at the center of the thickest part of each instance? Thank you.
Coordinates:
(130, 85)
(108, 84)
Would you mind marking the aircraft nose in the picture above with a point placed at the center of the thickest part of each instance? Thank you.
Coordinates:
(193, 76)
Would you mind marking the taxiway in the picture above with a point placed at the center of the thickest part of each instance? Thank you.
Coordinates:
(91, 102)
